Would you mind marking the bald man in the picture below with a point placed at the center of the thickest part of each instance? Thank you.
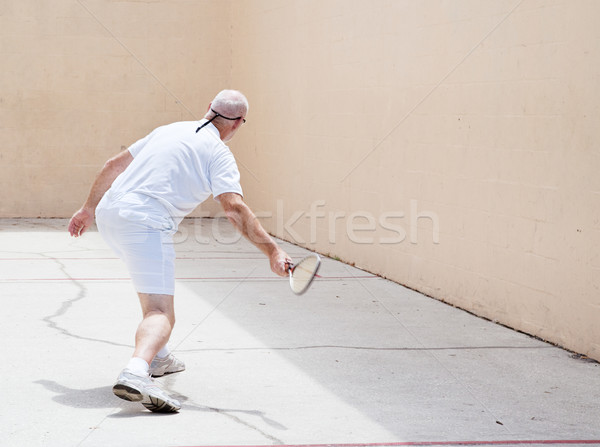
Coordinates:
(138, 200)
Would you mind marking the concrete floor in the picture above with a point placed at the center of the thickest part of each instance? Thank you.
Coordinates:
(356, 361)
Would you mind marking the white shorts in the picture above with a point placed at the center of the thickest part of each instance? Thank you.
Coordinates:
(139, 230)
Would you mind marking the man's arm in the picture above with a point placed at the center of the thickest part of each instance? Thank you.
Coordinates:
(244, 220)
(84, 217)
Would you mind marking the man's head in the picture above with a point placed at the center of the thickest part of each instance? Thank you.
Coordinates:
(228, 112)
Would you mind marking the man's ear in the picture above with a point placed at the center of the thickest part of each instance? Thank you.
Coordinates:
(209, 106)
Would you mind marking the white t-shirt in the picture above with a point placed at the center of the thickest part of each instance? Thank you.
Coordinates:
(179, 168)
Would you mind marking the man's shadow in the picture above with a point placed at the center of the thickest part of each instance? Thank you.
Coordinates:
(103, 397)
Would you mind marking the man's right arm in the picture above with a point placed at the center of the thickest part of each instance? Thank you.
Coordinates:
(84, 217)
(244, 220)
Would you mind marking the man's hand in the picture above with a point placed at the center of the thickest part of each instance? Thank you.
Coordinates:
(280, 262)
(80, 222)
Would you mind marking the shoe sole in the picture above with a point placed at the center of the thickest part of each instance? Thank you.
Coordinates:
(153, 374)
(158, 405)
(154, 404)
(127, 392)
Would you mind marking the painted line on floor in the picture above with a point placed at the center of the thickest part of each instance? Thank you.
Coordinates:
(433, 443)
(197, 278)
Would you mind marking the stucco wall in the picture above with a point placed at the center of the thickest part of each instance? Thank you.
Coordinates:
(450, 146)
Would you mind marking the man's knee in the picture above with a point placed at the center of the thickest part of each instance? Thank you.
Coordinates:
(153, 304)
(162, 313)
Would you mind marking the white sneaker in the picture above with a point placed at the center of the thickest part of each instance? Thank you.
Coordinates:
(134, 388)
(168, 365)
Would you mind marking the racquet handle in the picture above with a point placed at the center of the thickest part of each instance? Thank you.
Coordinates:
(289, 267)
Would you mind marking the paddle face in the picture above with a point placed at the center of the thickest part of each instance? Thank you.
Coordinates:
(303, 273)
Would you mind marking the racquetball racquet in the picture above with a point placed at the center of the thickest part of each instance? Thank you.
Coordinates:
(303, 273)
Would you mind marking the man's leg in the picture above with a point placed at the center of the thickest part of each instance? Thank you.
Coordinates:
(158, 319)
(154, 331)
(134, 383)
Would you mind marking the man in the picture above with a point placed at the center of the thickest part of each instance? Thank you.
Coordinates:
(139, 198)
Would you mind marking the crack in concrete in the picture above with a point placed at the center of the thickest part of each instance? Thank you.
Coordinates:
(68, 304)
(365, 348)
(240, 421)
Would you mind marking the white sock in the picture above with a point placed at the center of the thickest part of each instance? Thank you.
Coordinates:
(164, 352)
(138, 366)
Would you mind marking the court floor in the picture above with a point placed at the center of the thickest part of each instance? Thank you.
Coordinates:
(357, 361)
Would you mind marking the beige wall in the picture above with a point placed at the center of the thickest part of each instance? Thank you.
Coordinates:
(81, 79)
(450, 146)
(484, 119)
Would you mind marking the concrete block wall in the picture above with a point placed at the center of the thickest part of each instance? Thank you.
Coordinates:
(449, 146)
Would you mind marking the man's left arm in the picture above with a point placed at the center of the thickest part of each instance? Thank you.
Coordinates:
(84, 217)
